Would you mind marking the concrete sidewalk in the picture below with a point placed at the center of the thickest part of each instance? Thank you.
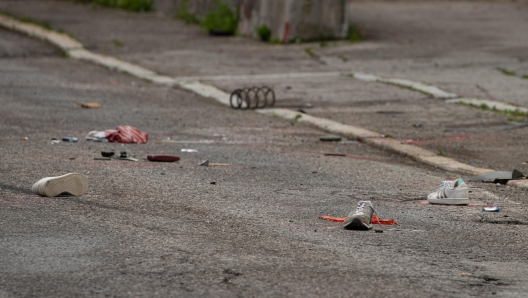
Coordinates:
(465, 60)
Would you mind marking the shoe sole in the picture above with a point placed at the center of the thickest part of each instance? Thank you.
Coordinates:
(457, 201)
(74, 184)
(356, 224)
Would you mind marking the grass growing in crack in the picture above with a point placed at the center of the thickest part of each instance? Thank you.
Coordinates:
(182, 12)
(524, 76)
(344, 58)
(485, 107)
(404, 87)
(440, 152)
(506, 71)
(310, 52)
(517, 113)
(296, 118)
(117, 43)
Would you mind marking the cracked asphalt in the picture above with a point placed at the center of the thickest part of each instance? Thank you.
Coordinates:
(163, 229)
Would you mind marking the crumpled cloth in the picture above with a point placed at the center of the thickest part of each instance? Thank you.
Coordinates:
(126, 134)
(375, 220)
(122, 134)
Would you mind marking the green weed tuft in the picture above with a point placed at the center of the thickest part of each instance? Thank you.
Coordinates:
(221, 18)
(264, 32)
(506, 71)
(117, 43)
(310, 52)
(182, 12)
(354, 33)
(484, 107)
(296, 118)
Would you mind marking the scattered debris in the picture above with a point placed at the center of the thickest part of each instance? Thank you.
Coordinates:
(417, 125)
(213, 183)
(189, 150)
(334, 154)
(163, 158)
(89, 105)
(24, 138)
(126, 134)
(330, 138)
(70, 139)
(378, 231)
(206, 163)
(501, 177)
(107, 153)
(375, 220)
(390, 112)
(122, 134)
(252, 98)
(96, 136)
(491, 209)
(124, 155)
(349, 142)
(54, 141)
(102, 158)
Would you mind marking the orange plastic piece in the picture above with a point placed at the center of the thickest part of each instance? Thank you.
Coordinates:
(375, 220)
(330, 218)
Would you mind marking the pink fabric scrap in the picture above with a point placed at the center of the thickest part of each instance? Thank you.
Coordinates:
(126, 134)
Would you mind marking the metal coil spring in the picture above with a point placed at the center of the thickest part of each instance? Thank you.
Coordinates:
(252, 98)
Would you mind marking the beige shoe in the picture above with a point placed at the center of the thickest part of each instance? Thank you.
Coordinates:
(74, 184)
(361, 218)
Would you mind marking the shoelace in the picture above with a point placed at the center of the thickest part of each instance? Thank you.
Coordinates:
(362, 204)
(443, 186)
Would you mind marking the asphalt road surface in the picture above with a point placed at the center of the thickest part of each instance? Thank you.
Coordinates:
(247, 229)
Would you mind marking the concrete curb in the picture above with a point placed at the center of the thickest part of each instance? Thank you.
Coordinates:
(492, 104)
(76, 50)
(61, 40)
(418, 86)
(377, 140)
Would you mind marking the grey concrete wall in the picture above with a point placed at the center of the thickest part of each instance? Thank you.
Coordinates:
(287, 19)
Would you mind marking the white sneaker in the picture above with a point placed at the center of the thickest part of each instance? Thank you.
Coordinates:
(361, 218)
(73, 184)
(454, 192)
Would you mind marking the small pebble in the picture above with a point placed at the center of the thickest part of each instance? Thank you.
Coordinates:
(378, 231)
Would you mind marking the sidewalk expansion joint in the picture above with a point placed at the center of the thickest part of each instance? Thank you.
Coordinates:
(76, 50)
